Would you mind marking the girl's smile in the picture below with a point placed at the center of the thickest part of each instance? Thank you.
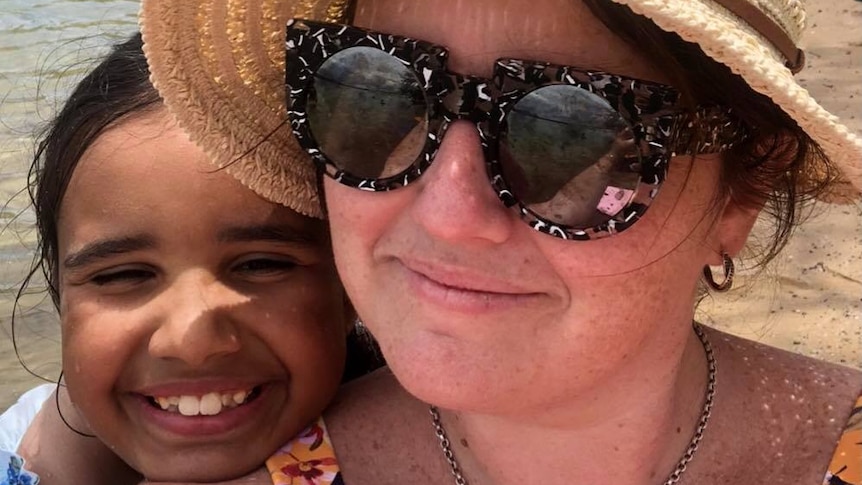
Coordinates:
(192, 417)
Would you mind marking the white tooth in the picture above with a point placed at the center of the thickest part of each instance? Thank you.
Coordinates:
(174, 400)
(163, 403)
(226, 400)
(189, 406)
(239, 396)
(210, 404)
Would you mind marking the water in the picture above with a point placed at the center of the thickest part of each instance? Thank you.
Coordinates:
(45, 47)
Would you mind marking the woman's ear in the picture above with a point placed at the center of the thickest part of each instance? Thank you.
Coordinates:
(732, 229)
(775, 155)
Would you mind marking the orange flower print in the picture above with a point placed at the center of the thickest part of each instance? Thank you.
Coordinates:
(307, 460)
(311, 472)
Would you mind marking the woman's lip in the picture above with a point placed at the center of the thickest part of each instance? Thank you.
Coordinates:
(463, 279)
(459, 293)
(231, 420)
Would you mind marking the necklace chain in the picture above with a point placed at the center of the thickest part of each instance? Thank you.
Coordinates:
(681, 466)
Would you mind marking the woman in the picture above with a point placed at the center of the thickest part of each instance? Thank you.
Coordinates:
(562, 349)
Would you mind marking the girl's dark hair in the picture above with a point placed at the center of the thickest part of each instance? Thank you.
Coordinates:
(118, 88)
(363, 353)
(773, 165)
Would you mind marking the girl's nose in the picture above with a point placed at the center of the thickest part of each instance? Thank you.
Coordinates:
(196, 321)
(457, 201)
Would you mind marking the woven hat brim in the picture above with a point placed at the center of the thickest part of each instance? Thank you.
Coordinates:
(730, 41)
(219, 66)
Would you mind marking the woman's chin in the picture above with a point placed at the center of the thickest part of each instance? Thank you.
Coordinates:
(434, 374)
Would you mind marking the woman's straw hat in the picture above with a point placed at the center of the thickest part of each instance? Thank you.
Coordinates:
(219, 65)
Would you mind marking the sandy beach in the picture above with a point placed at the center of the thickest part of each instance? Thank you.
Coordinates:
(808, 301)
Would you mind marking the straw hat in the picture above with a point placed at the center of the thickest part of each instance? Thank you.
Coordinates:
(219, 65)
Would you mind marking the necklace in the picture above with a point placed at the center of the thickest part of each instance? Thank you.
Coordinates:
(681, 465)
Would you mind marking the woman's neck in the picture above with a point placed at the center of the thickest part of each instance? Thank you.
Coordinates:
(635, 426)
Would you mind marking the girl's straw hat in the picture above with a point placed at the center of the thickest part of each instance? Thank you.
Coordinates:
(219, 65)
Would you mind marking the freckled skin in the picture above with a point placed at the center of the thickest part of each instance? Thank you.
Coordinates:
(791, 407)
(609, 298)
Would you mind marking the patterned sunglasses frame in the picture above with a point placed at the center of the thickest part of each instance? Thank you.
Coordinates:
(661, 128)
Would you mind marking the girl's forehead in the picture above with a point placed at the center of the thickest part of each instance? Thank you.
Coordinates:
(478, 32)
(144, 172)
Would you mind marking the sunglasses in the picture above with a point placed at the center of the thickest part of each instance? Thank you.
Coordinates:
(579, 154)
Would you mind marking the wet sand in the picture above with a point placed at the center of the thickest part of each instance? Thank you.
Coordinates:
(808, 301)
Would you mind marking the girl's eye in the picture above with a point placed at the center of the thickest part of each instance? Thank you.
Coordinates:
(122, 276)
(264, 266)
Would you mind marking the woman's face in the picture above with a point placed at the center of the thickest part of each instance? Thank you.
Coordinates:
(473, 309)
(202, 325)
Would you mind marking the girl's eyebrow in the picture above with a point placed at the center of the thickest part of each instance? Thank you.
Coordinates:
(280, 233)
(105, 248)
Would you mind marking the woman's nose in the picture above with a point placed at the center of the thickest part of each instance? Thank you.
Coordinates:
(457, 201)
(196, 322)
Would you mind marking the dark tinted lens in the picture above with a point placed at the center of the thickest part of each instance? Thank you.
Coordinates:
(368, 112)
(569, 157)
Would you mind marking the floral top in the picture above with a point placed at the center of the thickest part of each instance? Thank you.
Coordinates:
(15, 472)
(310, 458)
(846, 465)
(307, 460)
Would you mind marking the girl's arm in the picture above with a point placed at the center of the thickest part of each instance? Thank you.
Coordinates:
(60, 456)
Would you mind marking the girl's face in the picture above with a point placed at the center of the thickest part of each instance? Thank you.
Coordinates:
(473, 309)
(202, 325)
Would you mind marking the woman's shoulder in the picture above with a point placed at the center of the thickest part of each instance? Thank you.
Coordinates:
(787, 411)
(778, 415)
(787, 374)
(382, 434)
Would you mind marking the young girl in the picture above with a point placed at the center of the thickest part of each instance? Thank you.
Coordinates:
(202, 325)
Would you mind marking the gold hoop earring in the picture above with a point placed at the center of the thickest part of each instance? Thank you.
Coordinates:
(729, 269)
